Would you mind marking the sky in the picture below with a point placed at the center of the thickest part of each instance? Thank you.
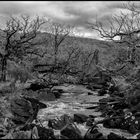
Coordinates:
(75, 13)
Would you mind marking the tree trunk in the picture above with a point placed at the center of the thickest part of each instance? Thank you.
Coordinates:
(3, 69)
(55, 58)
(55, 53)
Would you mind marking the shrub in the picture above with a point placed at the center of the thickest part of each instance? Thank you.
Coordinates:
(18, 72)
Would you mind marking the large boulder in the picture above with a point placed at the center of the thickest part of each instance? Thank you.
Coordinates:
(24, 108)
(21, 110)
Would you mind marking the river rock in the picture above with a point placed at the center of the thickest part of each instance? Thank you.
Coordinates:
(113, 136)
(89, 121)
(94, 134)
(95, 86)
(131, 124)
(80, 118)
(114, 123)
(90, 93)
(21, 109)
(110, 99)
(37, 86)
(24, 108)
(58, 90)
(35, 103)
(102, 92)
(46, 96)
(60, 123)
(113, 89)
(57, 93)
(71, 132)
(22, 135)
(43, 133)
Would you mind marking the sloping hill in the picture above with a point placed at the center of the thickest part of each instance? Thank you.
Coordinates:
(106, 49)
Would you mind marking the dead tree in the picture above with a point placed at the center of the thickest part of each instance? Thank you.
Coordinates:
(73, 54)
(17, 38)
(123, 29)
(59, 33)
(89, 60)
(58, 37)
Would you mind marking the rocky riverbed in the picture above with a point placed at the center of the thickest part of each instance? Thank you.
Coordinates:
(71, 115)
(75, 100)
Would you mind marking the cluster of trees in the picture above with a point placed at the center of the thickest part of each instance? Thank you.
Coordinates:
(19, 42)
(124, 30)
(16, 40)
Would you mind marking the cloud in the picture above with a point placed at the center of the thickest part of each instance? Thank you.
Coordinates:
(75, 13)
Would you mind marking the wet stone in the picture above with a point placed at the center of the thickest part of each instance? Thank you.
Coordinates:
(114, 136)
(60, 123)
(57, 94)
(94, 86)
(71, 132)
(89, 93)
(43, 133)
(46, 96)
(94, 134)
(24, 108)
(21, 110)
(89, 122)
(37, 86)
(80, 118)
(35, 103)
(102, 92)
(114, 123)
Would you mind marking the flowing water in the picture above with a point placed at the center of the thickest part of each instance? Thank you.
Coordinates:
(75, 99)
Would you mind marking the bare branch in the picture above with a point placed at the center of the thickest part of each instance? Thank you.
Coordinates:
(125, 25)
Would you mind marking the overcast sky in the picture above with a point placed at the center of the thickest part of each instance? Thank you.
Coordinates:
(76, 13)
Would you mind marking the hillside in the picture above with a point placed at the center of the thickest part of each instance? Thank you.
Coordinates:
(105, 48)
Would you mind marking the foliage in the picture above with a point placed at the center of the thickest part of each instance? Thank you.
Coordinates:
(19, 72)
(17, 39)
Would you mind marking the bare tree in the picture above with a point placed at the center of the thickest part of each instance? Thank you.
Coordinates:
(73, 54)
(123, 29)
(59, 32)
(57, 35)
(17, 39)
(89, 59)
